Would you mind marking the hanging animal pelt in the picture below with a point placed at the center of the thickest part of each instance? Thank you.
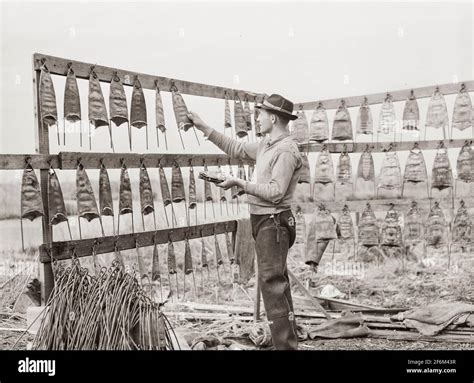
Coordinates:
(365, 179)
(47, 99)
(31, 204)
(462, 118)
(411, 113)
(192, 199)
(387, 116)
(391, 229)
(441, 175)
(180, 110)
(368, 228)
(105, 193)
(227, 115)
(414, 226)
(57, 208)
(117, 101)
(72, 100)
(248, 114)
(177, 184)
(364, 123)
(304, 172)
(465, 164)
(239, 118)
(47, 95)
(300, 131)
(345, 225)
(319, 125)
(342, 126)
(343, 186)
(159, 116)
(437, 115)
(415, 177)
(125, 196)
(462, 226)
(324, 177)
(390, 178)
(86, 203)
(138, 118)
(436, 228)
(325, 224)
(97, 110)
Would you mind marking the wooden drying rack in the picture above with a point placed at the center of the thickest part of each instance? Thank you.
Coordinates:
(43, 159)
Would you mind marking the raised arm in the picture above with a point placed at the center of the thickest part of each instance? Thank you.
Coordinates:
(231, 146)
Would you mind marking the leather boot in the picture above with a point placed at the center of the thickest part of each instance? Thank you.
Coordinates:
(283, 333)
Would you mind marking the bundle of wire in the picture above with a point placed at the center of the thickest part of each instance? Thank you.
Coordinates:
(105, 311)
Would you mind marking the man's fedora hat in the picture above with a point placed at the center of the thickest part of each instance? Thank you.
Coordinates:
(278, 105)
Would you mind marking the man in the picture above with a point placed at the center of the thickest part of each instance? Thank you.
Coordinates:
(273, 226)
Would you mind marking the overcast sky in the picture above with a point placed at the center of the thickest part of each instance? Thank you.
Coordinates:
(304, 51)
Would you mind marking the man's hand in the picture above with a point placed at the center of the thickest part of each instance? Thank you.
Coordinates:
(231, 181)
(199, 123)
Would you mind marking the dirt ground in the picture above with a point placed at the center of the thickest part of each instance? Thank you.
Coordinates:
(392, 283)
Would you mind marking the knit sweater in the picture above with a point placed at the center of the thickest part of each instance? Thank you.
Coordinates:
(278, 164)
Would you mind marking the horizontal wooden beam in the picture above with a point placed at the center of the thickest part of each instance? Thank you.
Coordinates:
(18, 161)
(401, 204)
(397, 95)
(359, 147)
(59, 66)
(63, 250)
(68, 160)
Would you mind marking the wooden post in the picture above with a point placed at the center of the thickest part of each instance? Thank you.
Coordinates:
(42, 147)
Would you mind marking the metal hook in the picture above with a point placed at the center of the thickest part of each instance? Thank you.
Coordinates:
(463, 87)
(27, 161)
(91, 71)
(173, 87)
(122, 162)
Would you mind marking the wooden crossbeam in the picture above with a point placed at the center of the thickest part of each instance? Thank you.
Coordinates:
(59, 66)
(397, 95)
(63, 250)
(359, 147)
(401, 204)
(68, 160)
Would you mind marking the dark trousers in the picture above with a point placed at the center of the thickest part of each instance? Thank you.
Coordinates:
(274, 234)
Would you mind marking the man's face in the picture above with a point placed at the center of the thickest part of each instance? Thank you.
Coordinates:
(266, 120)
